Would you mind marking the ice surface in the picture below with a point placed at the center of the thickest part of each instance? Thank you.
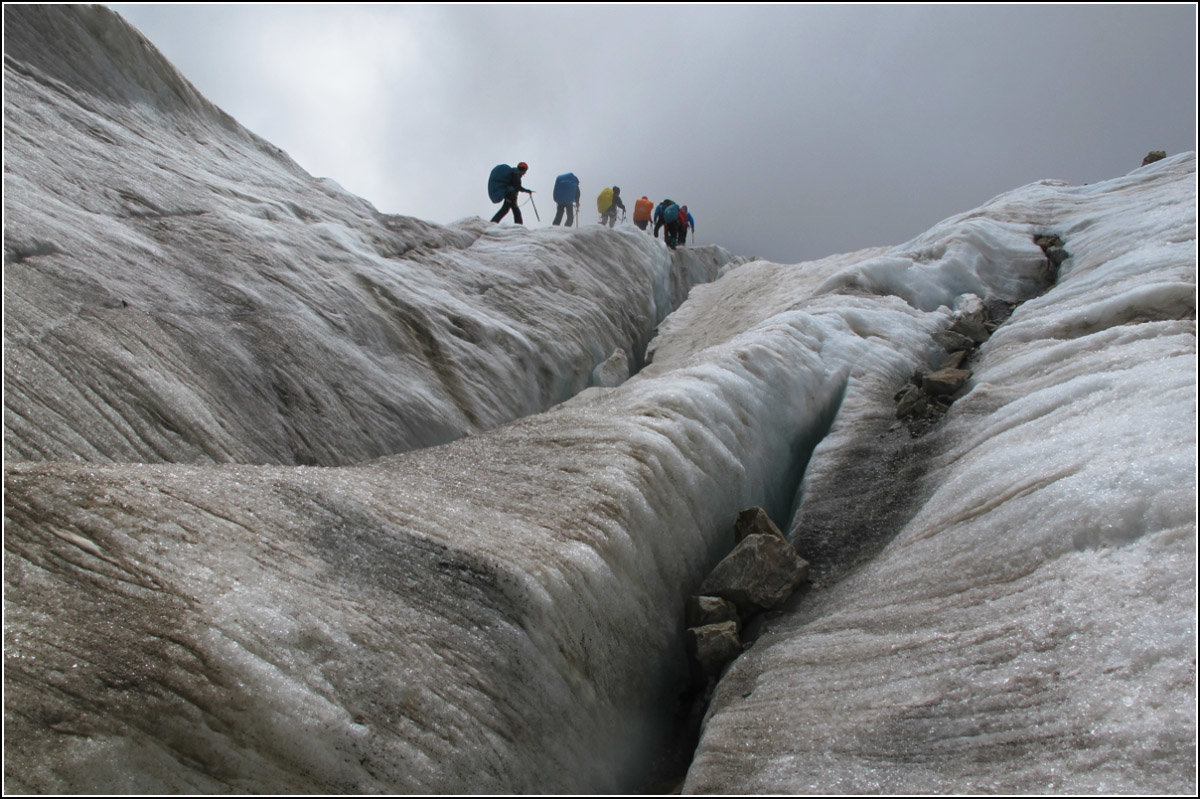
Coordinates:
(171, 281)
(1007, 604)
(1031, 627)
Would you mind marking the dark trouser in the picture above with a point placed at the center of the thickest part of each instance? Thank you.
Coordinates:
(672, 234)
(641, 223)
(609, 217)
(683, 234)
(570, 214)
(509, 203)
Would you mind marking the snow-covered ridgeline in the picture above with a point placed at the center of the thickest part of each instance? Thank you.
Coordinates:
(178, 290)
(1031, 628)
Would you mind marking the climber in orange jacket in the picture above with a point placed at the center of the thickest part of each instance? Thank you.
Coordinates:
(643, 209)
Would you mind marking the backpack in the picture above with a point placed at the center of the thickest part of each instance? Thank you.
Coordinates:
(671, 213)
(683, 215)
(498, 182)
(642, 209)
(565, 188)
(604, 201)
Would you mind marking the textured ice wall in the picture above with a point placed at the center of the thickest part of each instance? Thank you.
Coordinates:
(1031, 628)
(178, 290)
(500, 614)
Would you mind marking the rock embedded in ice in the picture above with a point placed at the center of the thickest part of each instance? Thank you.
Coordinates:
(946, 382)
(711, 646)
(953, 341)
(761, 572)
(613, 371)
(754, 520)
(971, 328)
(702, 610)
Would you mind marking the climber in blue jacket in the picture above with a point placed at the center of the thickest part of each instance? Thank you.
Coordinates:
(658, 216)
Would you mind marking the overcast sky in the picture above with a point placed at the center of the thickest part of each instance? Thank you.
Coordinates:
(792, 132)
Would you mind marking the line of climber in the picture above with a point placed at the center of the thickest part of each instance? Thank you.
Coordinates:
(504, 186)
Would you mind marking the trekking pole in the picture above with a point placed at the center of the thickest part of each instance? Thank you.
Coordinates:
(535, 213)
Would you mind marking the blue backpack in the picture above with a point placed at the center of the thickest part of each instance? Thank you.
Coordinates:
(498, 182)
(671, 213)
(566, 188)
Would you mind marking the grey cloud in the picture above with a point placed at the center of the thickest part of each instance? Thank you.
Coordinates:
(792, 132)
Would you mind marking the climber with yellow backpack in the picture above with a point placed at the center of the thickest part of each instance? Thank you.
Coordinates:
(607, 204)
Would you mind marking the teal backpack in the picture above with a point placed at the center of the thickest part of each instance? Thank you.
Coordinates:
(498, 182)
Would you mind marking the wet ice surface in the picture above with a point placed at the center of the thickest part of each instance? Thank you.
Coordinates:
(1032, 627)
(503, 613)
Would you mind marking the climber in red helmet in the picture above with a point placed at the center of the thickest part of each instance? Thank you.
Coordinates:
(510, 194)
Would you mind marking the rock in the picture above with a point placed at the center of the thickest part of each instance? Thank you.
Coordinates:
(971, 328)
(1154, 155)
(999, 311)
(713, 645)
(951, 341)
(1057, 255)
(911, 402)
(970, 306)
(754, 520)
(955, 360)
(945, 382)
(702, 610)
(1052, 245)
(613, 372)
(760, 573)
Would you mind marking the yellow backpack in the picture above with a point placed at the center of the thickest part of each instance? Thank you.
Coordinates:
(604, 201)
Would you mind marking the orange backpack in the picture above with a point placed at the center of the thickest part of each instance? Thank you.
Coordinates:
(642, 210)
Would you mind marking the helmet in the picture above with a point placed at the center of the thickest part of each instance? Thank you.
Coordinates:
(616, 190)
(524, 167)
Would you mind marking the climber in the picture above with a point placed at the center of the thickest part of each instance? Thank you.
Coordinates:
(566, 195)
(504, 185)
(642, 210)
(607, 204)
(660, 221)
(685, 219)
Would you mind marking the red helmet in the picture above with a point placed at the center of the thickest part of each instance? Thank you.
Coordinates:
(524, 167)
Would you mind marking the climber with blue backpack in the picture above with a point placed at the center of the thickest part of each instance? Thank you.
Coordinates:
(566, 194)
(667, 216)
(503, 186)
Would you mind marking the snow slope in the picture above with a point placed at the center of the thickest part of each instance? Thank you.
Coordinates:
(171, 281)
(189, 609)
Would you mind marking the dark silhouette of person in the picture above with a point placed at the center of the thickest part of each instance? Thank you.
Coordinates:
(510, 194)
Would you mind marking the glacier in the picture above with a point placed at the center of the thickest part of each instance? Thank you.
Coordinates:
(301, 497)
